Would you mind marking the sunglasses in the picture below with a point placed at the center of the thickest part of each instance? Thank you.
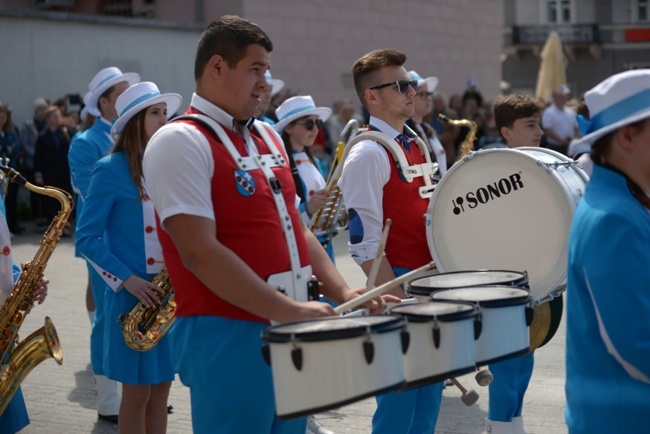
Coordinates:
(310, 124)
(402, 85)
(425, 95)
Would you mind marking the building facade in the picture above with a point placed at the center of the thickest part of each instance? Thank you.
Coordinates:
(599, 37)
(58, 45)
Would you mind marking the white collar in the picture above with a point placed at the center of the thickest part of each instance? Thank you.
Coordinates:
(384, 127)
(216, 113)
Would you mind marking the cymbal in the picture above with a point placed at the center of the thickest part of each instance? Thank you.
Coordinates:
(545, 322)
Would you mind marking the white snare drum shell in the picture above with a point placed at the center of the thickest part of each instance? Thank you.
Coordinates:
(441, 341)
(506, 209)
(334, 367)
(504, 328)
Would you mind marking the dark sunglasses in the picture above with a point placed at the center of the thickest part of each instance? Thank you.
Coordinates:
(402, 85)
(310, 124)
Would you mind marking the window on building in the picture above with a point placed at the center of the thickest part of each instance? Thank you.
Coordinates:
(558, 11)
(123, 8)
(642, 10)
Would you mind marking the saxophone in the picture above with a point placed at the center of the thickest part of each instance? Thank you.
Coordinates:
(468, 143)
(44, 342)
(145, 326)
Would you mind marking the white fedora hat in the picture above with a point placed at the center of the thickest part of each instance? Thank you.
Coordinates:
(431, 82)
(297, 107)
(276, 84)
(137, 98)
(104, 80)
(620, 100)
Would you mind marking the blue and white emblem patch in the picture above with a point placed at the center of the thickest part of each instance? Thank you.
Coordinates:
(245, 183)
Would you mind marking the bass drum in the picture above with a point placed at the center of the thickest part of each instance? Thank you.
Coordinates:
(508, 209)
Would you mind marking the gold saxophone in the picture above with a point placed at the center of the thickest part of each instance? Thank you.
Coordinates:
(145, 326)
(44, 342)
(468, 143)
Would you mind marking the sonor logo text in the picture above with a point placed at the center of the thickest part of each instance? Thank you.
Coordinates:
(485, 194)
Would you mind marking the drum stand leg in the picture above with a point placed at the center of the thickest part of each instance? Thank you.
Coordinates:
(484, 377)
(469, 397)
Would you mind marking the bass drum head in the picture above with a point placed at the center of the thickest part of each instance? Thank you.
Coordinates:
(545, 322)
(505, 209)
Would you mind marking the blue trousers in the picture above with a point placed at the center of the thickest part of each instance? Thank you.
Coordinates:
(511, 378)
(413, 411)
(231, 386)
(97, 332)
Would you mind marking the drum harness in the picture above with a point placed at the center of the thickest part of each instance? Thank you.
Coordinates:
(298, 283)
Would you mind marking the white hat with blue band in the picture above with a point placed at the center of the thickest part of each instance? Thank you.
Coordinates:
(298, 107)
(137, 98)
(620, 100)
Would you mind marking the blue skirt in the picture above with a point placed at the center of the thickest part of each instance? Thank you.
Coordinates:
(123, 364)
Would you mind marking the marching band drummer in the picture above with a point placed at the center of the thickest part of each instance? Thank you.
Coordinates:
(299, 121)
(14, 418)
(225, 201)
(117, 236)
(374, 190)
(517, 119)
(608, 297)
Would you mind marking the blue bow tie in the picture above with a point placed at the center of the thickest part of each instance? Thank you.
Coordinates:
(405, 141)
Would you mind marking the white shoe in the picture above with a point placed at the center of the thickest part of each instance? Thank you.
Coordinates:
(496, 427)
(518, 425)
(314, 427)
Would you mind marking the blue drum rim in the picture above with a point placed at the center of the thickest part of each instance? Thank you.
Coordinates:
(276, 334)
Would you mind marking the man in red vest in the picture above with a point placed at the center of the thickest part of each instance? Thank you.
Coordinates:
(375, 189)
(228, 224)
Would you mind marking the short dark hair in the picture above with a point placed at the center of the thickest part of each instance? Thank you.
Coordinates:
(228, 37)
(364, 70)
(509, 108)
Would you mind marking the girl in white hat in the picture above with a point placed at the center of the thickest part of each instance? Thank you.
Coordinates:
(299, 121)
(118, 235)
(608, 296)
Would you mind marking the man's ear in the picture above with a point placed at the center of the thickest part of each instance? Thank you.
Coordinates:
(215, 65)
(370, 97)
(506, 133)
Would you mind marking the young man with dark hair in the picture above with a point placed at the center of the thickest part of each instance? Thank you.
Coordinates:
(221, 241)
(374, 190)
(517, 118)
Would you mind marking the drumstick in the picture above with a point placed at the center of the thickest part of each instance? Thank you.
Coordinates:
(469, 397)
(372, 276)
(382, 288)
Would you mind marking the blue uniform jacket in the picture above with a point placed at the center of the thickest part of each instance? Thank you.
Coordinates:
(117, 231)
(608, 310)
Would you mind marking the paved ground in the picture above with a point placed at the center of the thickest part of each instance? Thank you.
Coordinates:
(61, 399)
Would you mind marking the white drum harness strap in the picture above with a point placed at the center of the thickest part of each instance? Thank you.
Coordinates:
(296, 281)
(409, 172)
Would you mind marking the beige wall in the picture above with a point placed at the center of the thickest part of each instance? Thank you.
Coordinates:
(317, 41)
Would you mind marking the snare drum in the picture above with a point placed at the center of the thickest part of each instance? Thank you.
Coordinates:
(326, 363)
(423, 287)
(441, 341)
(505, 316)
(507, 209)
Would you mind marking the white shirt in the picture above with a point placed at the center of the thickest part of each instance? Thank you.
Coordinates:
(562, 122)
(178, 164)
(366, 171)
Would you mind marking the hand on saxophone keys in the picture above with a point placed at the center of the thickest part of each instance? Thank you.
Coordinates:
(40, 292)
(142, 289)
